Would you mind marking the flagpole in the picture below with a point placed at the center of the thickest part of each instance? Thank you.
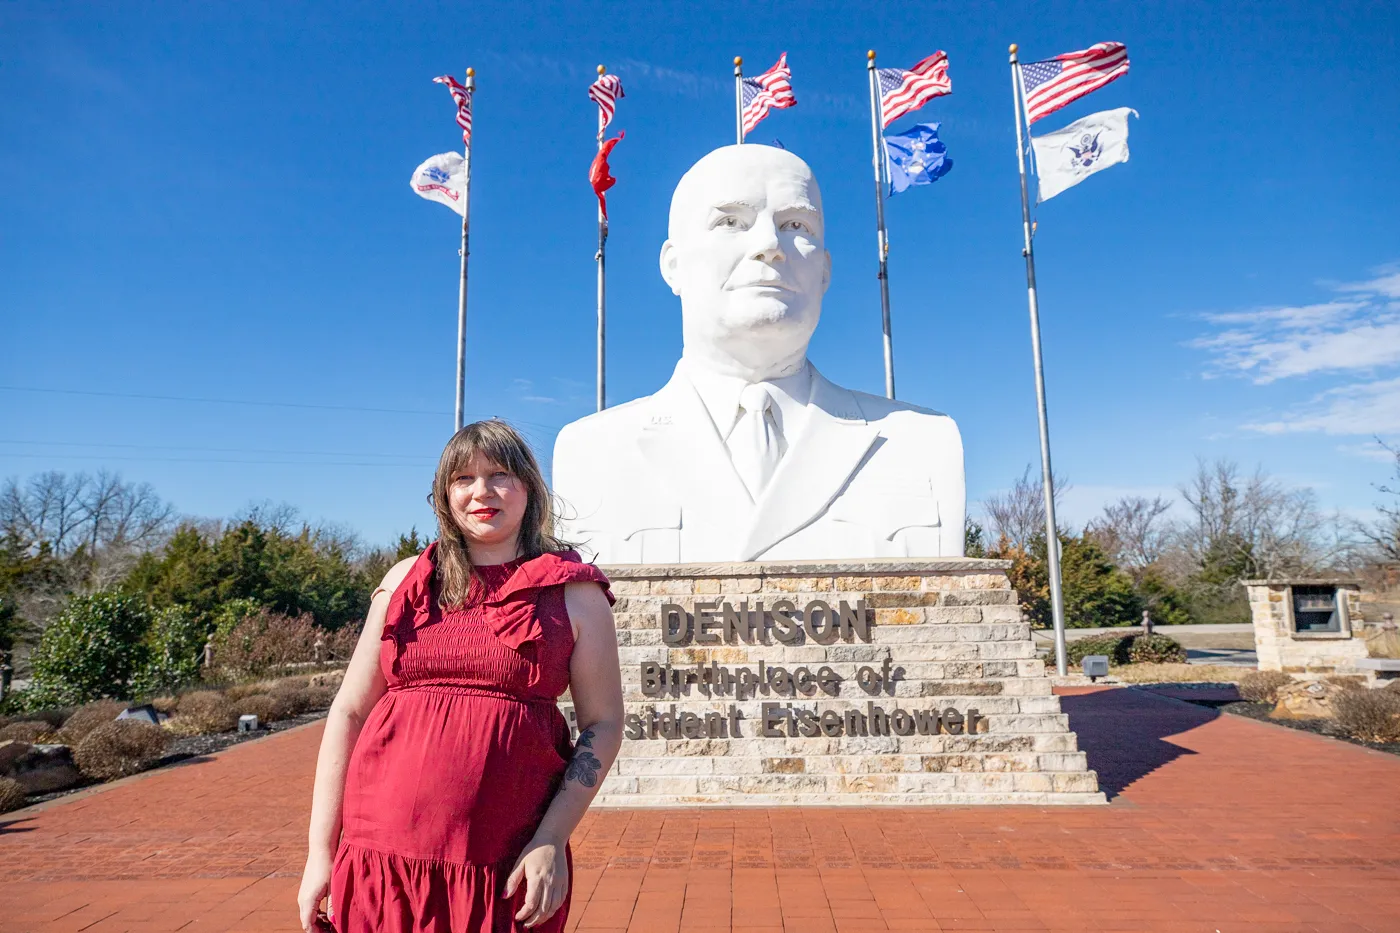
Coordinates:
(602, 277)
(881, 235)
(462, 289)
(1052, 539)
(738, 100)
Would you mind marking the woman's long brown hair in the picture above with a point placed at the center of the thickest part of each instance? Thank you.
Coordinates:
(501, 444)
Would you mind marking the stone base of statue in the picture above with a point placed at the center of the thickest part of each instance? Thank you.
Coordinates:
(855, 682)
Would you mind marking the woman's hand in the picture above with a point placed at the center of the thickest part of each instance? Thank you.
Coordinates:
(315, 883)
(545, 871)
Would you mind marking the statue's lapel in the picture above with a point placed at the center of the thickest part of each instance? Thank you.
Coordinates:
(680, 444)
(830, 446)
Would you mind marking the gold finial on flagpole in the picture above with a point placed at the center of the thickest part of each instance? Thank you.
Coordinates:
(601, 70)
(471, 72)
(870, 55)
(738, 61)
(1014, 48)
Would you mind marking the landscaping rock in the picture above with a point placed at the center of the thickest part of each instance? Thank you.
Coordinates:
(327, 679)
(39, 769)
(1310, 700)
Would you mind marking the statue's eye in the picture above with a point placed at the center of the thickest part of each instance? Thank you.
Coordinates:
(729, 222)
(797, 225)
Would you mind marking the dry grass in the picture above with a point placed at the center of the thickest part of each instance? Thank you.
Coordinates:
(117, 749)
(11, 794)
(87, 718)
(1178, 673)
(1263, 686)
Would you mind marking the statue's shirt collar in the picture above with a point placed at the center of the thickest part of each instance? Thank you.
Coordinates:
(720, 395)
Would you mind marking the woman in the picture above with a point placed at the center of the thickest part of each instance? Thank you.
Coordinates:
(446, 786)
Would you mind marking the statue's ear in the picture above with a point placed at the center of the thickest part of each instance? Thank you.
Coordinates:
(826, 273)
(670, 259)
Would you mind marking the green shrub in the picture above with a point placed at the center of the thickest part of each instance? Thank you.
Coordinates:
(118, 749)
(1155, 649)
(11, 794)
(1370, 715)
(31, 731)
(1263, 686)
(204, 712)
(88, 718)
(174, 648)
(1111, 645)
(92, 649)
(1131, 648)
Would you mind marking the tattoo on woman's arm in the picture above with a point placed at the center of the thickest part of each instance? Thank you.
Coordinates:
(585, 765)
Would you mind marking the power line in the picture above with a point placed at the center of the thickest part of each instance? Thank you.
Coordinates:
(216, 460)
(224, 401)
(552, 429)
(222, 450)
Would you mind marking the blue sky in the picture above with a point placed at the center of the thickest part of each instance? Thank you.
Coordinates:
(214, 277)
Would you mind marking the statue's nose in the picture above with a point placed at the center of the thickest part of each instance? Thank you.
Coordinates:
(766, 247)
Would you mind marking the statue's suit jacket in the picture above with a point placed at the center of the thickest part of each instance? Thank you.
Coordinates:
(650, 481)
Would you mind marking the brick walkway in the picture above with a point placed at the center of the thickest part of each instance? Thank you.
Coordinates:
(1217, 823)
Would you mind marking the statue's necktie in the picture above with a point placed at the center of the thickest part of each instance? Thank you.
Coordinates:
(754, 444)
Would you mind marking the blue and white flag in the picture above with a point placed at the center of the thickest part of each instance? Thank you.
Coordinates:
(1066, 157)
(916, 157)
(443, 179)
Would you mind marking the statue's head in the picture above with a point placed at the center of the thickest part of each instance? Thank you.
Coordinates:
(746, 254)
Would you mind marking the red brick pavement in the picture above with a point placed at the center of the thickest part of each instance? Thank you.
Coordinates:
(1217, 823)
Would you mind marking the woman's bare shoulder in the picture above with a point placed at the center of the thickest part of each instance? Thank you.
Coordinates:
(396, 573)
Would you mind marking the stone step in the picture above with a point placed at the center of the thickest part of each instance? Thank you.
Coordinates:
(894, 763)
(852, 784)
(941, 744)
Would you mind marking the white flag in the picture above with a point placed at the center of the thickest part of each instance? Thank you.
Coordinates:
(443, 179)
(1066, 157)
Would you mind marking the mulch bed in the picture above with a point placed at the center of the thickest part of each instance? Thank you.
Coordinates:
(186, 747)
(1260, 712)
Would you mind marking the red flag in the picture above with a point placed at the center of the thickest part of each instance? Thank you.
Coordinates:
(600, 174)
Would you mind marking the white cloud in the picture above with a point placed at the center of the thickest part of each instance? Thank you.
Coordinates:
(1357, 335)
(1360, 408)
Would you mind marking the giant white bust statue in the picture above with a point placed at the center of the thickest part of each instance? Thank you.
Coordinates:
(748, 452)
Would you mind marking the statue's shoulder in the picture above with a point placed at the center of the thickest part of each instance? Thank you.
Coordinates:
(895, 417)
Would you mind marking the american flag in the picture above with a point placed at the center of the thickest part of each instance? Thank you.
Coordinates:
(605, 92)
(1065, 78)
(903, 91)
(770, 90)
(463, 97)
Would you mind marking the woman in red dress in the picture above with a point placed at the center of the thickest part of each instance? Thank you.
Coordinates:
(447, 786)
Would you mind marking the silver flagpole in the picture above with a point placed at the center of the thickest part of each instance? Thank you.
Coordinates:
(462, 290)
(1052, 539)
(738, 100)
(881, 236)
(602, 279)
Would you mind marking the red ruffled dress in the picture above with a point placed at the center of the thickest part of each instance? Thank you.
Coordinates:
(458, 761)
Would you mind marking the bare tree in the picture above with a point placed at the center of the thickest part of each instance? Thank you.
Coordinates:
(1252, 523)
(68, 512)
(1019, 514)
(1383, 534)
(1133, 533)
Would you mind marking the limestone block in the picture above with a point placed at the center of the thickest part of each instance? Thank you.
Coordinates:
(863, 784)
(1033, 783)
(613, 784)
(630, 587)
(954, 615)
(798, 584)
(1063, 761)
(979, 598)
(1072, 782)
(913, 616)
(893, 584)
(853, 584)
(673, 587)
(653, 767)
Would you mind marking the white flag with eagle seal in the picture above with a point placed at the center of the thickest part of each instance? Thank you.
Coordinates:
(1066, 157)
(443, 179)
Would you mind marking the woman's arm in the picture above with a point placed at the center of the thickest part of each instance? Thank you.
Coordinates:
(595, 682)
(363, 686)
